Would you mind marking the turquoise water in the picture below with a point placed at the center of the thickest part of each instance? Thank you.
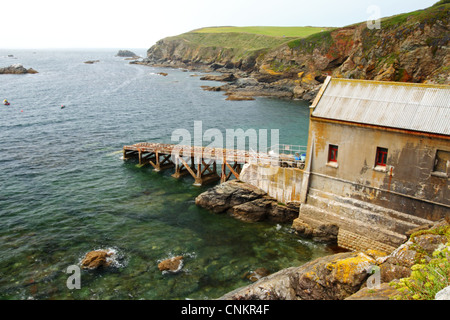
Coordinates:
(66, 191)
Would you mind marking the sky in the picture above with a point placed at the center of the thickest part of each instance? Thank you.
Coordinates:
(140, 23)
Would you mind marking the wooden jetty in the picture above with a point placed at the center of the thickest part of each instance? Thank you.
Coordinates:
(202, 163)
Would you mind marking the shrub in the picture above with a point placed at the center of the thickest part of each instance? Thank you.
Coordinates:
(427, 278)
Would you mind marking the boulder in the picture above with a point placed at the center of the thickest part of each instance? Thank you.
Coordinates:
(334, 277)
(96, 259)
(227, 195)
(172, 265)
(246, 203)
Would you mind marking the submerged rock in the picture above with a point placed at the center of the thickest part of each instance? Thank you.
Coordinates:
(172, 265)
(91, 61)
(259, 273)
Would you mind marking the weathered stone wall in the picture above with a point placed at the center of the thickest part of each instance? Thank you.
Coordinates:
(406, 184)
(283, 184)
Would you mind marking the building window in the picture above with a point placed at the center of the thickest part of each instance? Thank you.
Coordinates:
(442, 163)
(332, 155)
(381, 158)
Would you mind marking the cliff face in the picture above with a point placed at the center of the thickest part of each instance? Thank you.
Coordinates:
(411, 47)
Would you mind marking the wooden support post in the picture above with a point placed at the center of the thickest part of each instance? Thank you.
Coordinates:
(198, 178)
(232, 170)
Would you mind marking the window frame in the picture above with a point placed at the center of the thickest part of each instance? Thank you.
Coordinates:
(333, 156)
(383, 152)
(437, 170)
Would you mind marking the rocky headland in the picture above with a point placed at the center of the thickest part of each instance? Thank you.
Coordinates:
(17, 69)
(411, 47)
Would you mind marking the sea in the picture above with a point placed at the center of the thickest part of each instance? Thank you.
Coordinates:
(66, 190)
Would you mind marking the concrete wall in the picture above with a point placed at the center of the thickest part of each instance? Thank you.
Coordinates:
(406, 184)
(283, 184)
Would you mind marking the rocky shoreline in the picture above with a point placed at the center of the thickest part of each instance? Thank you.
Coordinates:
(367, 275)
(241, 85)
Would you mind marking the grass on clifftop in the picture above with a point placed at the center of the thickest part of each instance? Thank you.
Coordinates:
(289, 32)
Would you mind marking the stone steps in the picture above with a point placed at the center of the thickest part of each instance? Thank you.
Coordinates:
(362, 225)
(365, 212)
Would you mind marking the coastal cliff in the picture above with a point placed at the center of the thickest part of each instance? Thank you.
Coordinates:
(410, 47)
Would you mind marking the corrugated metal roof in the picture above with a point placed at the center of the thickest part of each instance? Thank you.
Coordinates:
(410, 106)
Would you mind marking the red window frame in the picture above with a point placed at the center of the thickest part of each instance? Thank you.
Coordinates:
(381, 157)
(333, 153)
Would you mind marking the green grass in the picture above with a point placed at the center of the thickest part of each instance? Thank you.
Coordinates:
(439, 11)
(288, 32)
(234, 40)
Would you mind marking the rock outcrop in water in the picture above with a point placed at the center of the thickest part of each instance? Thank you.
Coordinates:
(96, 259)
(246, 203)
(16, 69)
(172, 265)
(126, 54)
(408, 47)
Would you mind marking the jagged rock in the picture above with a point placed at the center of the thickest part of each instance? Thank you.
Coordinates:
(16, 69)
(209, 88)
(172, 265)
(164, 74)
(253, 211)
(223, 77)
(246, 203)
(246, 82)
(96, 259)
(333, 277)
(126, 53)
(227, 195)
(322, 232)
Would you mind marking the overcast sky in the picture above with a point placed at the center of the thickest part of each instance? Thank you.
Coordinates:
(140, 23)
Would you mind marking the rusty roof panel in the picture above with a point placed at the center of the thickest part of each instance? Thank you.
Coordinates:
(418, 107)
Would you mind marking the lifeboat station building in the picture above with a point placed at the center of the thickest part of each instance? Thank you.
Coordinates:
(378, 161)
